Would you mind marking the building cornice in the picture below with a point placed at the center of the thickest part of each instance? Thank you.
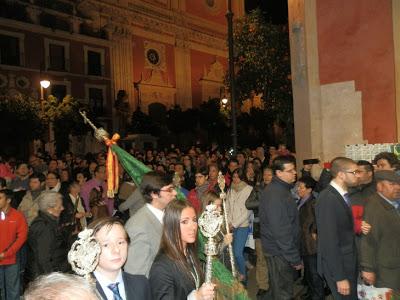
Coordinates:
(152, 19)
(53, 33)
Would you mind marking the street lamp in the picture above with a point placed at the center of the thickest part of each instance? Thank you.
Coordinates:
(229, 18)
(224, 101)
(44, 84)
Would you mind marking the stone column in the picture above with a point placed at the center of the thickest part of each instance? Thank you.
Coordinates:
(121, 60)
(178, 5)
(76, 24)
(326, 117)
(305, 78)
(183, 75)
(33, 14)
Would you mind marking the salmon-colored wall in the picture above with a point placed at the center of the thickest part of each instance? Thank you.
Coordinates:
(198, 61)
(199, 8)
(139, 61)
(355, 42)
(35, 61)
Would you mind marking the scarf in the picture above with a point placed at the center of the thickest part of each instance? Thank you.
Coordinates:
(35, 194)
(237, 187)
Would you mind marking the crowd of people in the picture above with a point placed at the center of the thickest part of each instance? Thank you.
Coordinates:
(331, 227)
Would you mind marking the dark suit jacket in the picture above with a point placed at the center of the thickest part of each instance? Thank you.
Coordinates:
(337, 254)
(136, 287)
(279, 222)
(168, 282)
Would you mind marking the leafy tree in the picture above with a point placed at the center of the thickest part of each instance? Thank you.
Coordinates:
(262, 62)
(140, 122)
(64, 116)
(20, 123)
(213, 121)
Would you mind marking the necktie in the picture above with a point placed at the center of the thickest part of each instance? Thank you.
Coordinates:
(347, 199)
(114, 288)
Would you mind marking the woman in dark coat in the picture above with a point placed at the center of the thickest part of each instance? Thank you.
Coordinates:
(176, 272)
(47, 247)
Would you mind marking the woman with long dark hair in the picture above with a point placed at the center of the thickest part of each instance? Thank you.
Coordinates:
(238, 216)
(176, 273)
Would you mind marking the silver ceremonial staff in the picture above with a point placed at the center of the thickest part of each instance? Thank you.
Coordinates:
(222, 195)
(99, 133)
(210, 223)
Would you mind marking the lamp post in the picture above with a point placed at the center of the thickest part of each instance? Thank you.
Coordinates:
(44, 84)
(229, 17)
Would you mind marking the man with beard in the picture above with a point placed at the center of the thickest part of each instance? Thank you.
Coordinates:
(337, 253)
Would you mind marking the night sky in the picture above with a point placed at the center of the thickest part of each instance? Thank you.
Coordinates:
(276, 10)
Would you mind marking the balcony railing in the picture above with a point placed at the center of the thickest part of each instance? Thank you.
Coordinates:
(54, 22)
(13, 10)
(17, 60)
(95, 70)
(60, 6)
(58, 64)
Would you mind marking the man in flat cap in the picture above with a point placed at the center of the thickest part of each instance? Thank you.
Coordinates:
(380, 249)
(307, 166)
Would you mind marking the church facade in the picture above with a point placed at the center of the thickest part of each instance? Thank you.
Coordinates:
(154, 52)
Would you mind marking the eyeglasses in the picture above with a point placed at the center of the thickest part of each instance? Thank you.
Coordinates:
(169, 189)
(355, 172)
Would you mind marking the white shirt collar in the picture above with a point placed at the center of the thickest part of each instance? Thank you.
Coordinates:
(341, 191)
(104, 282)
(158, 213)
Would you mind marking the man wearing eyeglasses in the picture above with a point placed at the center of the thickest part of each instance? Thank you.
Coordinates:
(337, 254)
(280, 229)
(145, 226)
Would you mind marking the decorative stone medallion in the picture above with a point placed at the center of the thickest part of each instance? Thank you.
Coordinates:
(154, 56)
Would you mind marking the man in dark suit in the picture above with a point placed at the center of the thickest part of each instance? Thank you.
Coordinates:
(136, 288)
(337, 254)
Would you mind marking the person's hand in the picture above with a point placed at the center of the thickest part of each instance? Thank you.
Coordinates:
(365, 227)
(343, 287)
(298, 267)
(206, 292)
(1, 255)
(369, 277)
(79, 215)
(314, 236)
(228, 238)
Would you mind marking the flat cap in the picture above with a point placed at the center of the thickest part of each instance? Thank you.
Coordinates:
(310, 161)
(388, 175)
